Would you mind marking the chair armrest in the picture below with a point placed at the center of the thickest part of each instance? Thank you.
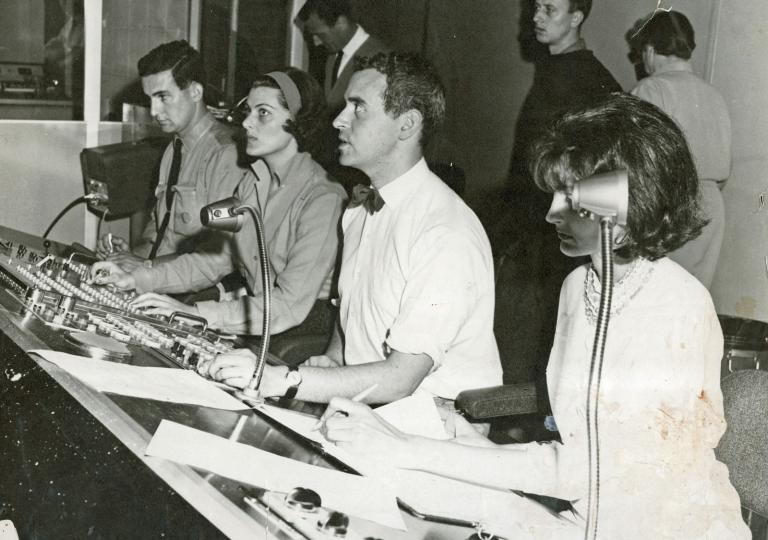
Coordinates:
(505, 400)
(294, 350)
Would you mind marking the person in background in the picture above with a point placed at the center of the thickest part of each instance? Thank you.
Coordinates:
(199, 167)
(299, 205)
(660, 407)
(416, 280)
(333, 24)
(568, 76)
(665, 41)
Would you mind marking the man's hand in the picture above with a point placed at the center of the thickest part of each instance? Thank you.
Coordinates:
(160, 304)
(106, 272)
(110, 245)
(236, 369)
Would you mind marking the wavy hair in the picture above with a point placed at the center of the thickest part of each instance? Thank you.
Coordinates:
(624, 132)
(412, 83)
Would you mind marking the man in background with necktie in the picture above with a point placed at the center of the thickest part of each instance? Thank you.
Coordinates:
(416, 280)
(333, 24)
(199, 167)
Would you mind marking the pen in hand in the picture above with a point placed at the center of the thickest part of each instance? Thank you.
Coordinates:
(359, 397)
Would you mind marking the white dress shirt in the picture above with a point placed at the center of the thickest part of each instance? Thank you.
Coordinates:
(352, 45)
(417, 277)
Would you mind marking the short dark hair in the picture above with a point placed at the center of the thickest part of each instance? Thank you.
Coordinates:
(585, 6)
(308, 127)
(327, 10)
(185, 63)
(670, 33)
(412, 83)
(624, 132)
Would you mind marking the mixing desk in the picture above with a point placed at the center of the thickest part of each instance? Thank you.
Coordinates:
(73, 458)
(57, 291)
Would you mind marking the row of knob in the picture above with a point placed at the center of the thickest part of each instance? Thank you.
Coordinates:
(188, 350)
(86, 291)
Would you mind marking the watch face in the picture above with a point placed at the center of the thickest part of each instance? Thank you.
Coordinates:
(293, 378)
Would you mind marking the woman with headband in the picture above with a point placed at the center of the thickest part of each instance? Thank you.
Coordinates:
(300, 208)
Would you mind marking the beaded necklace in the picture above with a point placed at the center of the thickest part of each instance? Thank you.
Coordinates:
(624, 290)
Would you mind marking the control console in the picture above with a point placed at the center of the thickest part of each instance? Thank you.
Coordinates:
(98, 320)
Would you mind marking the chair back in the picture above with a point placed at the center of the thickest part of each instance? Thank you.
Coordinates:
(744, 446)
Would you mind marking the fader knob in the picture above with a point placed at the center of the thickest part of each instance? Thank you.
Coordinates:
(303, 499)
(336, 523)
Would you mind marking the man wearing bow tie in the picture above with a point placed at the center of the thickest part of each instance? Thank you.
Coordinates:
(416, 282)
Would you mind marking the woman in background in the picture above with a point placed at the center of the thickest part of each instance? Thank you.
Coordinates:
(660, 405)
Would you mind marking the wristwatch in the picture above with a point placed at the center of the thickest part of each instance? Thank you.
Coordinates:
(293, 377)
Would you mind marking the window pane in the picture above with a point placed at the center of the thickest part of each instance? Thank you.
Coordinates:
(41, 59)
(260, 45)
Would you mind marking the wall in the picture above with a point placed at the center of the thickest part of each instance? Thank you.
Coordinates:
(40, 175)
(21, 31)
(474, 48)
(741, 44)
(130, 30)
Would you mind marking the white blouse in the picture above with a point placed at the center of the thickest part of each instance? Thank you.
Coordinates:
(660, 409)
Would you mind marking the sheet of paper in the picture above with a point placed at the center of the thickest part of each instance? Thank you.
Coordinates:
(499, 510)
(303, 423)
(359, 496)
(416, 414)
(162, 384)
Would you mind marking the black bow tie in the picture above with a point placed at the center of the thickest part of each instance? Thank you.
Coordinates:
(368, 197)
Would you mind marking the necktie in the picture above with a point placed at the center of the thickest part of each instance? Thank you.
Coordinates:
(173, 178)
(336, 65)
(368, 197)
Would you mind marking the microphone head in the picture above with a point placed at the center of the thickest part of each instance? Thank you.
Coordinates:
(605, 195)
(221, 215)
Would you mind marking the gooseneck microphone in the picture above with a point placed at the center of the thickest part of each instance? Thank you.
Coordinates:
(605, 197)
(228, 215)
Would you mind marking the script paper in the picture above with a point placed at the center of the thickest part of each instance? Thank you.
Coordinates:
(500, 511)
(415, 414)
(162, 384)
(356, 495)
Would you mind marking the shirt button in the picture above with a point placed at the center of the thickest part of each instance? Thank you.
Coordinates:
(186, 217)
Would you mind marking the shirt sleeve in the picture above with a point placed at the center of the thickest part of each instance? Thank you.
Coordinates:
(212, 258)
(447, 272)
(189, 271)
(310, 260)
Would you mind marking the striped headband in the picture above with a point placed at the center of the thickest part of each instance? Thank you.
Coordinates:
(289, 90)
